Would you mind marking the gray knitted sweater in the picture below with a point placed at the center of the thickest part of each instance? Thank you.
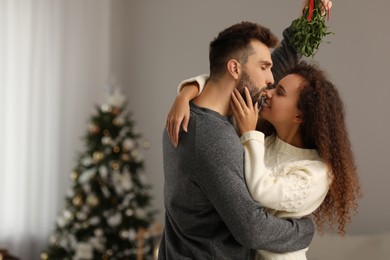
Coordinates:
(209, 213)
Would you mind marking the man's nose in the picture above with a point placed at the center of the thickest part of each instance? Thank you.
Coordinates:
(270, 79)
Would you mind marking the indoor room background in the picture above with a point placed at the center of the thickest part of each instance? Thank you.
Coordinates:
(72, 50)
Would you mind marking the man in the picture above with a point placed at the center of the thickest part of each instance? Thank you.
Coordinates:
(209, 212)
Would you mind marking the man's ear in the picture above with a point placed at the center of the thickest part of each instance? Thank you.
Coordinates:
(234, 68)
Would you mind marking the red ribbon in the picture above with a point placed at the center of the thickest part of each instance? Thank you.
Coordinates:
(311, 8)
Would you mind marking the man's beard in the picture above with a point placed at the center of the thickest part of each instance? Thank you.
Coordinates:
(245, 81)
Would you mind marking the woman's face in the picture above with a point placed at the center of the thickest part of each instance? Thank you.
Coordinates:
(280, 107)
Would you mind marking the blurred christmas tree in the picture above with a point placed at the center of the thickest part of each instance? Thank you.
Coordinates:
(109, 201)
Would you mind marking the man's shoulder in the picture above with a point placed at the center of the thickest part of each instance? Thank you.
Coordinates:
(209, 126)
(214, 136)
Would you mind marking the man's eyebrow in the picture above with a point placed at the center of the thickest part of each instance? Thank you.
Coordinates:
(265, 62)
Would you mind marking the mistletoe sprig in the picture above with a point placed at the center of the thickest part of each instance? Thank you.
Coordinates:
(309, 29)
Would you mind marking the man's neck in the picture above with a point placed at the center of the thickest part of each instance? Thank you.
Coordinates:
(216, 96)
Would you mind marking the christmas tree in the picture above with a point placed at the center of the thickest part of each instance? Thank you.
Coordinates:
(108, 203)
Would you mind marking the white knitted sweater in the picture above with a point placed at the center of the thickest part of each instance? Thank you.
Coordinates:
(291, 182)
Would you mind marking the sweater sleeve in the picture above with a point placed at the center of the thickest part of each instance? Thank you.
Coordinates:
(201, 80)
(298, 187)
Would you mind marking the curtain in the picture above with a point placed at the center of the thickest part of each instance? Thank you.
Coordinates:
(54, 63)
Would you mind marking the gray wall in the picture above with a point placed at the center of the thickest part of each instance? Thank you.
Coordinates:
(156, 44)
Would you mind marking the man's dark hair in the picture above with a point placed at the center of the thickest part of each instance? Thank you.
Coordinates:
(235, 43)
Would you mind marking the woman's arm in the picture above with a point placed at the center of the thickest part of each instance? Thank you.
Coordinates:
(285, 56)
(199, 81)
(179, 115)
(298, 187)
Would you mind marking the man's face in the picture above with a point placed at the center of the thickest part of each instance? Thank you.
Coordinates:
(256, 73)
(245, 81)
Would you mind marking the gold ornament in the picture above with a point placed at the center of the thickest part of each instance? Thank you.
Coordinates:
(93, 128)
(115, 166)
(98, 156)
(125, 157)
(106, 132)
(44, 256)
(116, 111)
(92, 200)
(77, 200)
(116, 149)
(117, 122)
(104, 257)
(74, 175)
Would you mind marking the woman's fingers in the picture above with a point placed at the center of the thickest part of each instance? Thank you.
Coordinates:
(235, 101)
(239, 101)
(248, 98)
(173, 128)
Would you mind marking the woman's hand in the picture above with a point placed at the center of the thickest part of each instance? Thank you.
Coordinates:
(179, 115)
(326, 5)
(246, 115)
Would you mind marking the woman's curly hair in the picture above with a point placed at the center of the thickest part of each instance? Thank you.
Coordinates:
(323, 128)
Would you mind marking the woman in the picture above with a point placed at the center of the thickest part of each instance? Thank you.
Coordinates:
(300, 160)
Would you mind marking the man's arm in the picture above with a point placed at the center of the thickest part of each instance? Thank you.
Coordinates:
(221, 179)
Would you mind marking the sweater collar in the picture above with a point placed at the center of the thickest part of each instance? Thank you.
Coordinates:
(280, 145)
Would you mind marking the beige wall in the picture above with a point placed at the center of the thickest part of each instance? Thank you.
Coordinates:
(155, 44)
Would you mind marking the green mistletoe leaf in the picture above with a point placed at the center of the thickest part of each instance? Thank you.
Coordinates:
(309, 30)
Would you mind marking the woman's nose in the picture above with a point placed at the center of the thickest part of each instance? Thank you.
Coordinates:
(268, 93)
